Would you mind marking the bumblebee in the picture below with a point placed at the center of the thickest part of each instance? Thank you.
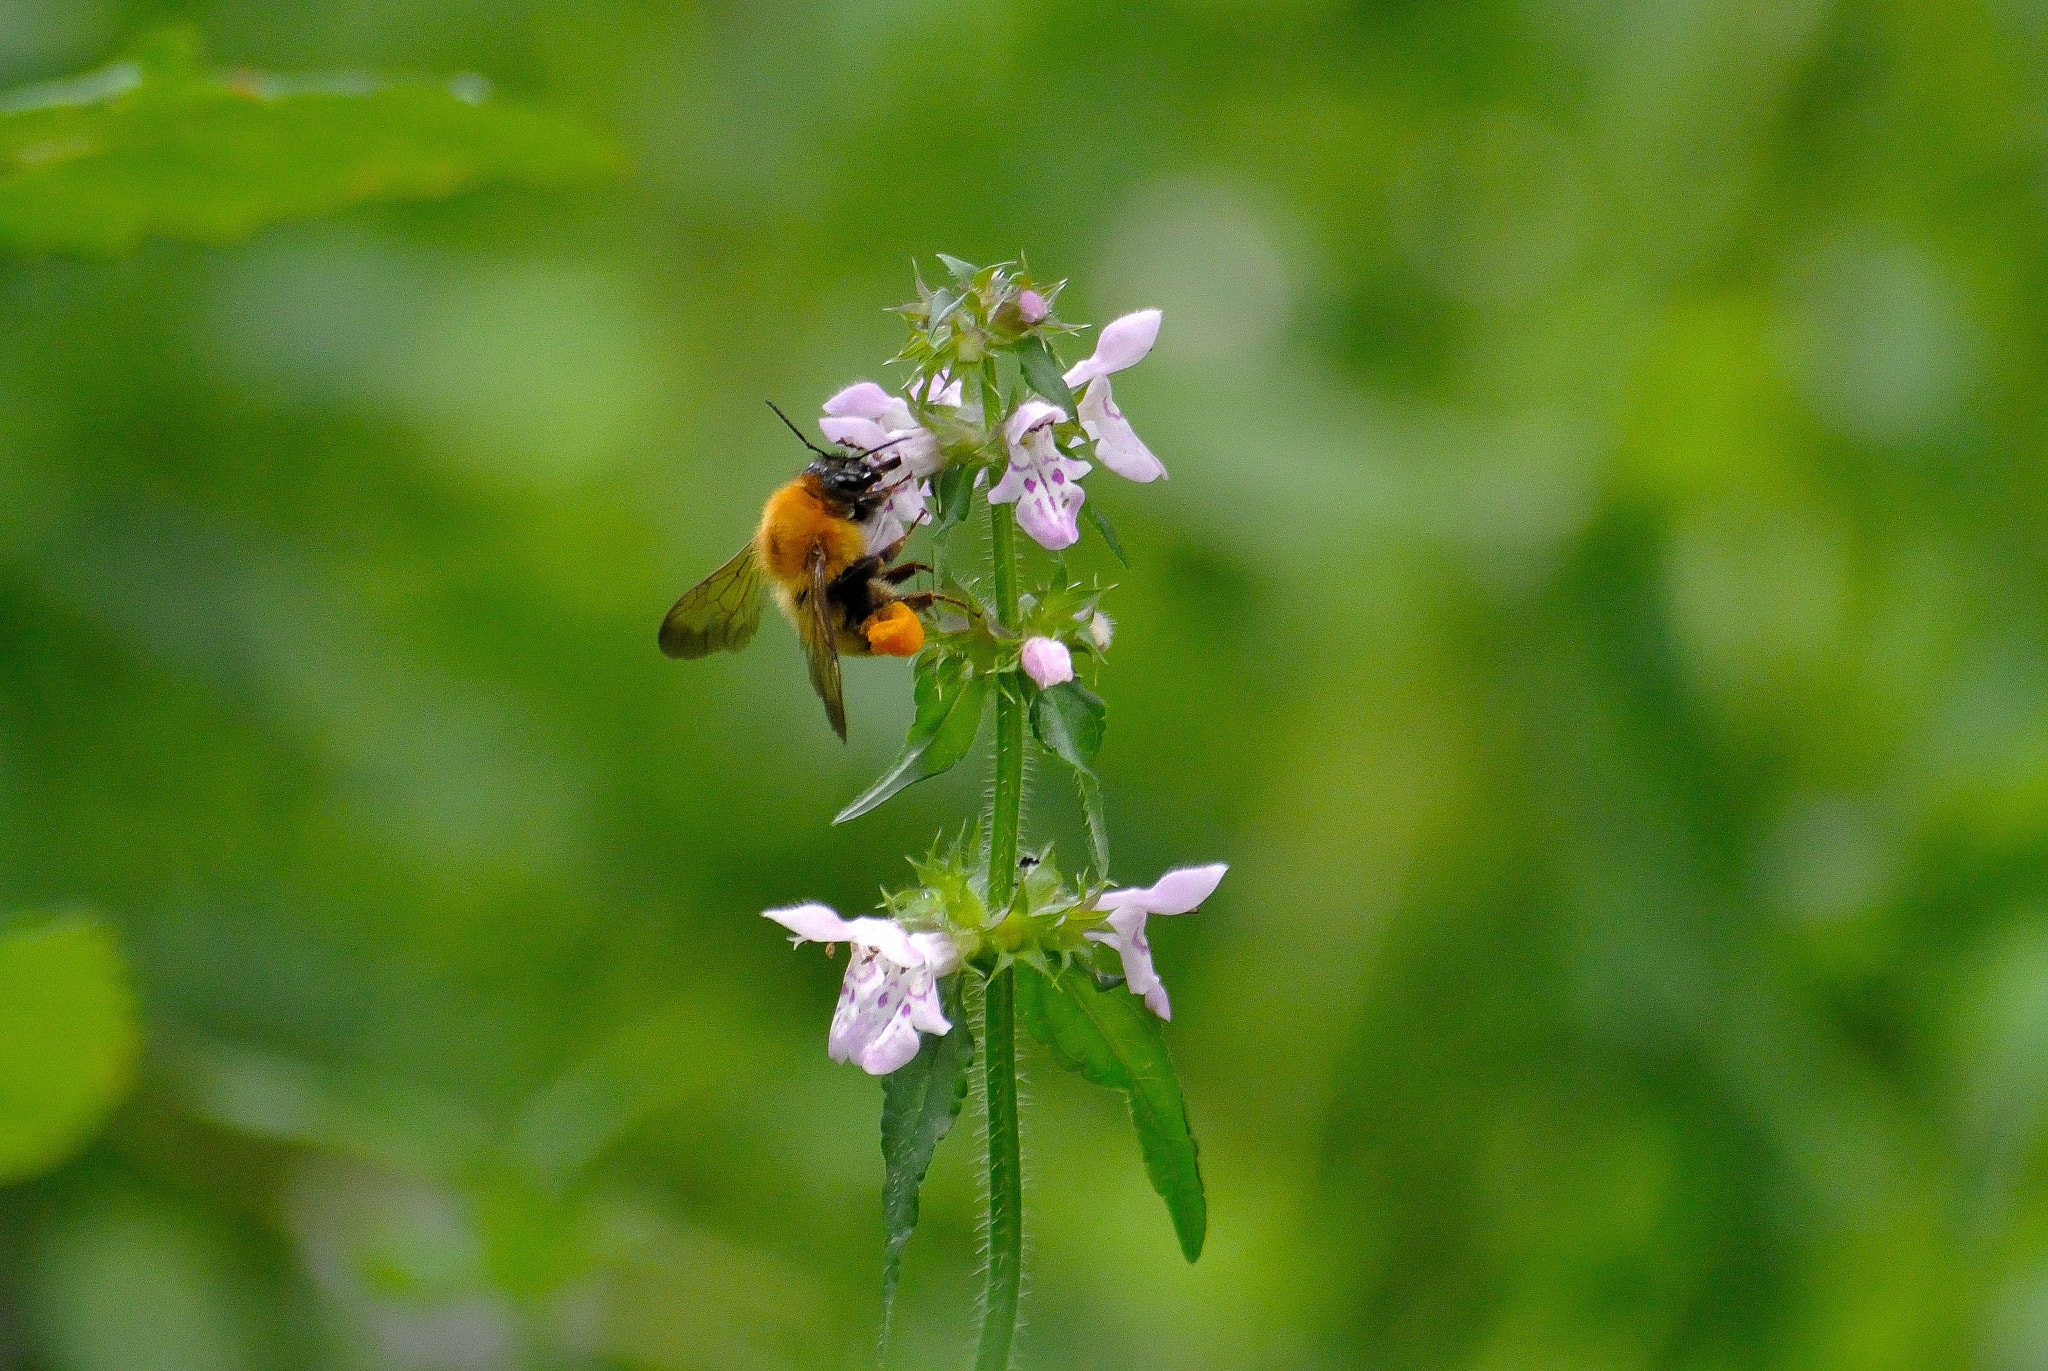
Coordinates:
(811, 553)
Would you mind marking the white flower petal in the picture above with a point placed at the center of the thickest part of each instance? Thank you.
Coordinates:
(1126, 933)
(942, 390)
(856, 431)
(1122, 343)
(858, 1017)
(892, 1049)
(926, 1014)
(1177, 892)
(885, 936)
(940, 953)
(812, 923)
(863, 399)
(1030, 415)
(1116, 443)
(881, 1007)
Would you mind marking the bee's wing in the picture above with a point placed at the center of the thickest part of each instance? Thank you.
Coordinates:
(719, 612)
(821, 645)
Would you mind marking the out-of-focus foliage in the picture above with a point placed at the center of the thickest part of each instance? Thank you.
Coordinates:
(67, 1039)
(1599, 610)
(157, 143)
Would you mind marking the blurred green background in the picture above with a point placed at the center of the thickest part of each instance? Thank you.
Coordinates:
(1597, 610)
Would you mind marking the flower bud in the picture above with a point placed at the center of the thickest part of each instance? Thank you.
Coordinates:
(1031, 305)
(1100, 629)
(1047, 661)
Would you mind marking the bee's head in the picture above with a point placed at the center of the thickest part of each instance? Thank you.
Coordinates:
(848, 474)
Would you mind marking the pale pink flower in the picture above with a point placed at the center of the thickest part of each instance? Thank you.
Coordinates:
(1047, 661)
(891, 990)
(1123, 343)
(1032, 306)
(1044, 482)
(1177, 892)
(866, 416)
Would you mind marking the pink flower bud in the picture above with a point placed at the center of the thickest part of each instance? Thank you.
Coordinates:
(1031, 305)
(1047, 661)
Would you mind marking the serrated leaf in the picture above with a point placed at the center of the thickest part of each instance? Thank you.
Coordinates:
(1042, 372)
(1112, 1039)
(963, 271)
(1107, 530)
(1068, 720)
(920, 1101)
(1094, 817)
(68, 1039)
(158, 143)
(949, 706)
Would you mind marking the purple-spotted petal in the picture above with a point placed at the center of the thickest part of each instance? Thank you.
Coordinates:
(1043, 482)
(1122, 343)
(1116, 443)
(874, 1026)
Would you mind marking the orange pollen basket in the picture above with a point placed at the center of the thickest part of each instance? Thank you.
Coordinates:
(894, 631)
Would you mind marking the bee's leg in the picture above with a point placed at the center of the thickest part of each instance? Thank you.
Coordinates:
(903, 571)
(922, 600)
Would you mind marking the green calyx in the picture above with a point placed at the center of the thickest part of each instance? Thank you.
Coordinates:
(976, 314)
(1046, 924)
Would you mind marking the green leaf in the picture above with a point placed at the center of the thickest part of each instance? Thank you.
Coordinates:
(1107, 530)
(1112, 1039)
(158, 143)
(920, 1101)
(949, 705)
(1068, 720)
(1042, 371)
(68, 1040)
(963, 272)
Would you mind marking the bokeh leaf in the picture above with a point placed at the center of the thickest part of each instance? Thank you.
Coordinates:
(956, 496)
(950, 697)
(159, 143)
(920, 1101)
(1112, 1039)
(1108, 532)
(68, 1039)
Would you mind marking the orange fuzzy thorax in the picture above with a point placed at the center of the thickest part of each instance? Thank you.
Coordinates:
(894, 631)
(796, 520)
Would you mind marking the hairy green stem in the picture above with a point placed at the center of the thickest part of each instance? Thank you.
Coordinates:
(1005, 1273)
(1005, 1174)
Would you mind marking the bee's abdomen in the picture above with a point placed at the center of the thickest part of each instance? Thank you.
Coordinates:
(796, 521)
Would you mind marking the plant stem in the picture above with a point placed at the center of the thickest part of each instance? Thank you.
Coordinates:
(999, 1023)
(1005, 1173)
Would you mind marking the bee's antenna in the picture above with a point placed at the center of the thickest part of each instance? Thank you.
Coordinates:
(798, 432)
